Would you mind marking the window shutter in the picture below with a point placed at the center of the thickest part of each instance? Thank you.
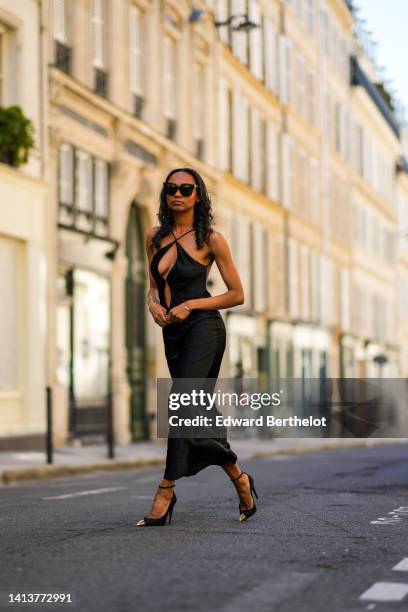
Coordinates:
(98, 33)
(135, 51)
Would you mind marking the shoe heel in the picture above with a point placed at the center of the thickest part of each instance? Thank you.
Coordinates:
(252, 485)
(171, 507)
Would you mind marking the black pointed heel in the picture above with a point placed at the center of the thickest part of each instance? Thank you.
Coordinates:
(245, 514)
(150, 522)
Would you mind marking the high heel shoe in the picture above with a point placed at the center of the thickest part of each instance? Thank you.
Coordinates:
(149, 522)
(245, 514)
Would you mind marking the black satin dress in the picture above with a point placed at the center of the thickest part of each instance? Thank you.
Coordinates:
(194, 348)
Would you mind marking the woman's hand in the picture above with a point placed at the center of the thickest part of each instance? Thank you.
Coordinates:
(158, 313)
(178, 313)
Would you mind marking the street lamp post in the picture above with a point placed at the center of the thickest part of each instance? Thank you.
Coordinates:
(245, 24)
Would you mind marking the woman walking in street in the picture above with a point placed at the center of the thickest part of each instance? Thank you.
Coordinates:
(180, 253)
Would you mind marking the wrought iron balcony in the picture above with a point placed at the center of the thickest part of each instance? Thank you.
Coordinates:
(63, 55)
(358, 77)
(101, 82)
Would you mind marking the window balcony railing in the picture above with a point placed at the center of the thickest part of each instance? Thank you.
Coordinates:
(358, 77)
(171, 129)
(101, 82)
(138, 103)
(63, 57)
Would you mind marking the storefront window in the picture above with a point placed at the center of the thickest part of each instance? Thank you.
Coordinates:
(91, 335)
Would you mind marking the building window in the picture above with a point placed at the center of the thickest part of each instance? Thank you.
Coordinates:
(9, 320)
(272, 164)
(61, 14)
(310, 16)
(240, 136)
(99, 47)
(255, 41)
(225, 125)
(199, 89)
(170, 87)
(136, 60)
(101, 196)
(256, 158)
(239, 39)
(311, 97)
(287, 171)
(3, 64)
(300, 77)
(221, 13)
(83, 191)
(270, 55)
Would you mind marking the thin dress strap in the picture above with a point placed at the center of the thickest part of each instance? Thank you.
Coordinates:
(191, 230)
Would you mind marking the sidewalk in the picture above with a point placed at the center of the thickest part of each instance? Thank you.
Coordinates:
(71, 461)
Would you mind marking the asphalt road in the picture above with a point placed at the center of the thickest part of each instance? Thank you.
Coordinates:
(329, 530)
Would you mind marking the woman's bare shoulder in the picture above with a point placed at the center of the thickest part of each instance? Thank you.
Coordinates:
(217, 239)
(152, 231)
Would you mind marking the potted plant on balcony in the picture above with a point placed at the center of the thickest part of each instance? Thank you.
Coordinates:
(16, 136)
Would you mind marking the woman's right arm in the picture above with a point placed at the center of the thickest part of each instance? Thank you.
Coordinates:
(157, 311)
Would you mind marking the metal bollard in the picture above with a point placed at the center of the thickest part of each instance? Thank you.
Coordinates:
(49, 441)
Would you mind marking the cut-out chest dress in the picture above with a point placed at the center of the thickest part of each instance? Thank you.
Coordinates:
(194, 348)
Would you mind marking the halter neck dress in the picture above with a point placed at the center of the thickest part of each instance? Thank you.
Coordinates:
(194, 349)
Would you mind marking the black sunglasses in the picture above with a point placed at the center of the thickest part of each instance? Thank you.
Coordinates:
(186, 189)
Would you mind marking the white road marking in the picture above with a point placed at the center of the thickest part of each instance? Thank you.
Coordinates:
(29, 456)
(150, 478)
(278, 458)
(386, 591)
(80, 493)
(141, 496)
(265, 596)
(402, 566)
(395, 516)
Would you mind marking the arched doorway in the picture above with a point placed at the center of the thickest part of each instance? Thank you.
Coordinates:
(135, 323)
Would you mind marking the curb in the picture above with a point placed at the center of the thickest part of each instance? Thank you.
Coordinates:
(54, 471)
(10, 476)
(366, 443)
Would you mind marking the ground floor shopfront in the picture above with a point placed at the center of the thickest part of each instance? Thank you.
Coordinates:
(23, 271)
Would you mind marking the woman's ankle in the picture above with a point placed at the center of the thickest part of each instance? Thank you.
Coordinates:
(233, 470)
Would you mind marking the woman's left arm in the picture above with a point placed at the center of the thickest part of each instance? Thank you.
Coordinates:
(235, 292)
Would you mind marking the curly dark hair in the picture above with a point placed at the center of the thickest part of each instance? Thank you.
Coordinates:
(203, 215)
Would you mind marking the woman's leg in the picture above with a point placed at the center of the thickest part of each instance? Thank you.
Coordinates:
(241, 485)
